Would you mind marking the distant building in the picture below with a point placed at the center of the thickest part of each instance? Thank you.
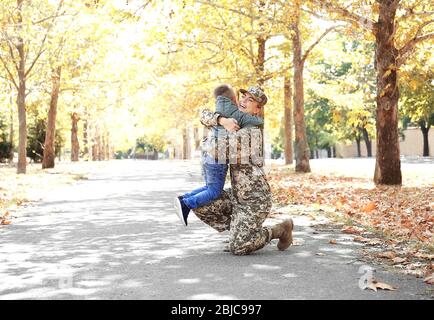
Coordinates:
(410, 145)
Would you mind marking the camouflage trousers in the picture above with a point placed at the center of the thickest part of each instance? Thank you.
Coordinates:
(243, 220)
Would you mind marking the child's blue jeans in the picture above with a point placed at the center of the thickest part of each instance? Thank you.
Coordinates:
(215, 176)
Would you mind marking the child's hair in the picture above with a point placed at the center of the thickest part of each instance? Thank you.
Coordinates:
(224, 90)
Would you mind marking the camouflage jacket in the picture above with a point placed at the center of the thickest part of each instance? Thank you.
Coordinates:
(241, 147)
(249, 184)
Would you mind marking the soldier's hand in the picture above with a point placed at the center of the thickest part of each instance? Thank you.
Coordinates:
(229, 124)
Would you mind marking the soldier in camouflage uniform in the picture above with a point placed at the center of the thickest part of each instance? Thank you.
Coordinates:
(243, 208)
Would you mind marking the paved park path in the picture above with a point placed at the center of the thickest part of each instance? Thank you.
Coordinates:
(115, 236)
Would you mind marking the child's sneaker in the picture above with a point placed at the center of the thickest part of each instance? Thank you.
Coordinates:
(181, 210)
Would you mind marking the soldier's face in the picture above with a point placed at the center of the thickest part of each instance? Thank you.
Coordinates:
(249, 105)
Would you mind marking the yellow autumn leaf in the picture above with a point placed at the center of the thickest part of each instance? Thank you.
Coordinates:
(369, 207)
(413, 84)
(384, 286)
(387, 73)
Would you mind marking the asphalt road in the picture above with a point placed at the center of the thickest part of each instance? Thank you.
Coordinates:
(116, 236)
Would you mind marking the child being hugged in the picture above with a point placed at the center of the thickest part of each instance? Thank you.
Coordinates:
(214, 171)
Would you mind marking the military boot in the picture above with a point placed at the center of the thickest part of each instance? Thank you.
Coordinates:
(283, 232)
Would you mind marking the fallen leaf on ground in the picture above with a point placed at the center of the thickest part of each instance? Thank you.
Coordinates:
(417, 273)
(384, 286)
(425, 256)
(414, 266)
(398, 260)
(320, 254)
(338, 205)
(374, 242)
(6, 222)
(369, 207)
(429, 279)
(333, 241)
(361, 239)
(387, 255)
(371, 286)
(352, 230)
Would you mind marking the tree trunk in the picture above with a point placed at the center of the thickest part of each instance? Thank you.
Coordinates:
(50, 133)
(329, 152)
(316, 154)
(21, 98)
(425, 131)
(100, 144)
(287, 96)
(85, 140)
(94, 143)
(359, 150)
(11, 127)
(260, 60)
(103, 146)
(75, 145)
(196, 138)
(185, 147)
(94, 152)
(260, 65)
(388, 164)
(301, 146)
(107, 146)
(260, 68)
(368, 142)
(334, 151)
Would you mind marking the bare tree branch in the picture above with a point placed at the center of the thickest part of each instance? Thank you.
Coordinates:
(281, 72)
(363, 22)
(423, 25)
(410, 11)
(136, 12)
(404, 52)
(215, 5)
(41, 47)
(315, 14)
(11, 52)
(63, 14)
(9, 72)
(412, 14)
(313, 45)
(35, 60)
